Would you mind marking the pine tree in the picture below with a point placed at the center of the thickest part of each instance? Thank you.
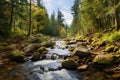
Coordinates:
(60, 19)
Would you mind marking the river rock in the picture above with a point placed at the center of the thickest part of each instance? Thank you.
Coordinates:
(102, 60)
(39, 35)
(34, 40)
(36, 56)
(81, 52)
(69, 64)
(71, 48)
(31, 48)
(48, 44)
(71, 42)
(82, 67)
(41, 49)
(54, 56)
(16, 56)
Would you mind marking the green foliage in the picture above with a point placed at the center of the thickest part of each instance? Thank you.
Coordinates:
(62, 32)
(39, 19)
(111, 36)
(95, 15)
(60, 18)
(5, 29)
(19, 34)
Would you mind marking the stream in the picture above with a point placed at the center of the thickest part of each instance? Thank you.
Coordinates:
(47, 69)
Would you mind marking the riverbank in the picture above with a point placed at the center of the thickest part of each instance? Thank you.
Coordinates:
(93, 55)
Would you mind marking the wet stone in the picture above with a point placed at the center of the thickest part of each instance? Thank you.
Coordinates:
(82, 68)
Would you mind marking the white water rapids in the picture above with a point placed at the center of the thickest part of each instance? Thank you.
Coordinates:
(44, 73)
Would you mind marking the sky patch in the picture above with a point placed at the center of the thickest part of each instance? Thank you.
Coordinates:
(63, 5)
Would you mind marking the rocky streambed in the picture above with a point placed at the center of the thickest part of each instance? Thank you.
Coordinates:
(63, 61)
(49, 68)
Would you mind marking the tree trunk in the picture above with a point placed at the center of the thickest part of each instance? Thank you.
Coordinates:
(12, 13)
(117, 25)
(14, 24)
(116, 15)
(29, 29)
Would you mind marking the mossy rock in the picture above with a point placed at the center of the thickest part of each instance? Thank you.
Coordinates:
(71, 48)
(98, 35)
(48, 44)
(16, 56)
(71, 42)
(41, 49)
(36, 56)
(116, 49)
(37, 39)
(111, 48)
(75, 58)
(101, 43)
(67, 39)
(33, 40)
(69, 64)
(31, 48)
(118, 52)
(81, 52)
(5, 48)
(103, 59)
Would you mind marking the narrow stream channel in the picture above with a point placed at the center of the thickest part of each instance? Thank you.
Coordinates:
(47, 69)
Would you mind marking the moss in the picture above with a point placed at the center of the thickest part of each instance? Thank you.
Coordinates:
(111, 36)
(41, 49)
(116, 49)
(75, 58)
(98, 35)
(78, 38)
(36, 56)
(71, 48)
(110, 48)
(103, 59)
(5, 48)
(16, 56)
(48, 44)
(118, 52)
(102, 43)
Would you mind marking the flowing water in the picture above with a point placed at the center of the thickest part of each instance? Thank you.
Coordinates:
(47, 69)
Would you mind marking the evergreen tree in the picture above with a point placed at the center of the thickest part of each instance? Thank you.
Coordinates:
(60, 19)
(76, 17)
(5, 29)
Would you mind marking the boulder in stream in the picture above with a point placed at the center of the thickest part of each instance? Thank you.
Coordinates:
(81, 52)
(36, 56)
(69, 64)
